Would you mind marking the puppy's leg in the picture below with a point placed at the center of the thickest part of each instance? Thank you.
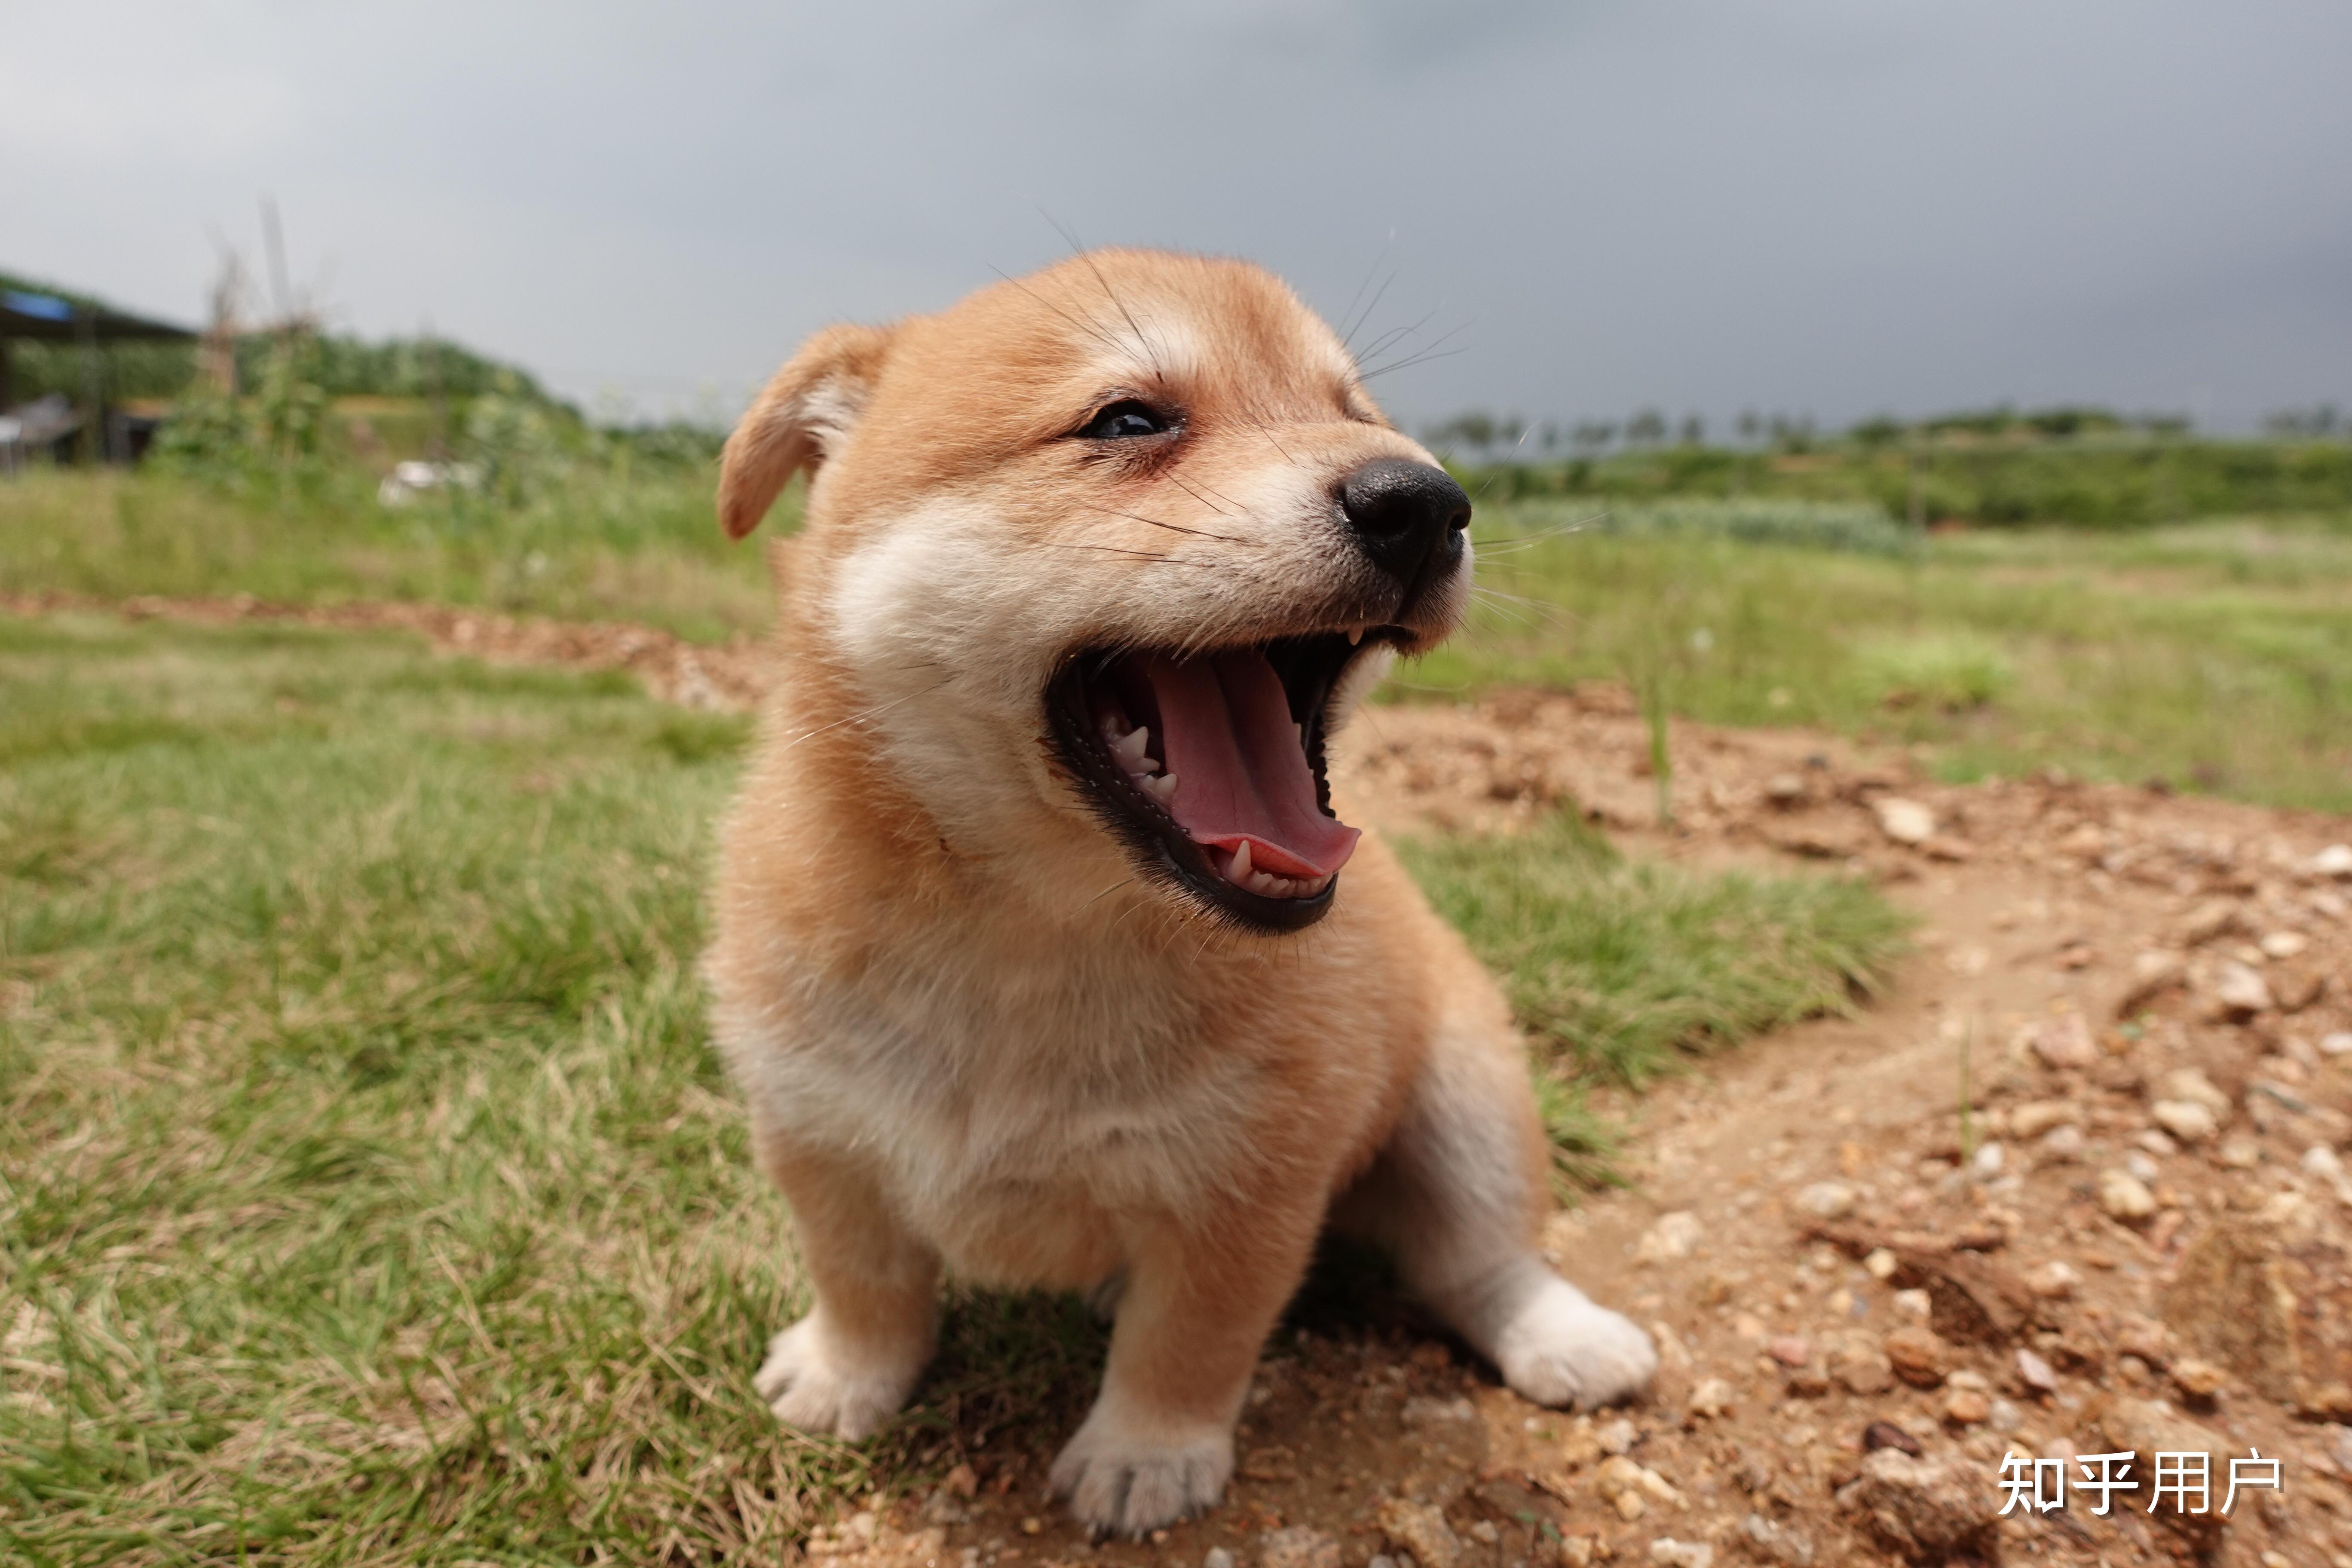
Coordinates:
(847, 1366)
(1458, 1198)
(1197, 1305)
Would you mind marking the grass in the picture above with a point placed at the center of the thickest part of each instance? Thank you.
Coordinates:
(368, 1190)
(1621, 971)
(2217, 657)
(2213, 656)
(603, 544)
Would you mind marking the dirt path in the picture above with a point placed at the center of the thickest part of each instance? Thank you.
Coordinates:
(2134, 1239)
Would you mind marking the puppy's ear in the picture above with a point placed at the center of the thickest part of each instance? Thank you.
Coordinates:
(800, 420)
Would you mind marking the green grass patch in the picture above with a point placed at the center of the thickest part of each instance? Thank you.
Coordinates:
(1622, 970)
(369, 1192)
(639, 544)
(2215, 657)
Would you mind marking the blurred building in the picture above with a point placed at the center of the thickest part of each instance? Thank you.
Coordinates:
(87, 421)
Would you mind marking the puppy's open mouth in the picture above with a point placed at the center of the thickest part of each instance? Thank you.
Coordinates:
(1211, 766)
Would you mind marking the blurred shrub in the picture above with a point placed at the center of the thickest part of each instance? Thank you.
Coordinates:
(1952, 672)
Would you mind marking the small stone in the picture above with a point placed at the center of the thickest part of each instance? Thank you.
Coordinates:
(1620, 1478)
(1784, 789)
(1669, 1553)
(1916, 1304)
(2335, 1043)
(2064, 1041)
(1277, 1463)
(1826, 1200)
(1881, 1263)
(963, 1481)
(2036, 1372)
(2336, 861)
(2156, 1141)
(1670, 1237)
(1966, 1407)
(2063, 1145)
(1711, 1399)
(1928, 1512)
(1776, 1543)
(1218, 1557)
(1616, 1436)
(1789, 1349)
(2140, 1167)
(1986, 1162)
(1420, 1529)
(1575, 1551)
(2284, 945)
(2152, 972)
(2054, 1280)
(1299, 1548)
(2124, 1196)
(1917, 1355)
(1483, 1532)
(1887, 1434)
(1422, 1411)
(2185, 1119)
(2144, 1337)
(1905, 821)
(2036, 1117)
(2006, 1416)
(2198, 1379)
(2208, 920)
(1862, 1369)
(2239, 992)
(2240, 1153)
(2190, 1083)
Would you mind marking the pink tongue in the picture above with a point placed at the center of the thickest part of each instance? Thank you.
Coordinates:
(1241, 775)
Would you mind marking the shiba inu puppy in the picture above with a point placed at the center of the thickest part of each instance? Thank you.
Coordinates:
(1041, 954)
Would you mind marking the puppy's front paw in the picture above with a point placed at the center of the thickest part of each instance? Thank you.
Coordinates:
(1560, 1349)
(1123, 1479)
(811, 1384)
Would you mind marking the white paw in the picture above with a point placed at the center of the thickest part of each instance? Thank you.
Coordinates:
(1124, 1481)
(1560, 1349)
(810, 1385)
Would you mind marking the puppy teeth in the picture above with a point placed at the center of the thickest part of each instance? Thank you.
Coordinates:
(1239, 871)
(1355, 636)
(1128, 748)
(1162, 787)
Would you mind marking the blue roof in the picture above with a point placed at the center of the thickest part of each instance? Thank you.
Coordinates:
(46, 307)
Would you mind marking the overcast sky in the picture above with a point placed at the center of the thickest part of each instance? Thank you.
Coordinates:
(1827, 206)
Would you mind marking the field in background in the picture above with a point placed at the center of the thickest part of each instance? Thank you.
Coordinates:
(2215, 656)
(2211, 655)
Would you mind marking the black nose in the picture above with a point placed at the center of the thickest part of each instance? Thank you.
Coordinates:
(1408, 517)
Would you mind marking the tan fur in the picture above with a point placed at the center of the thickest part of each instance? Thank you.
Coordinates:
(971, 1036)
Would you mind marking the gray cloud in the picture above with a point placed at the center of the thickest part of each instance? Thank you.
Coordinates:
(1836, 206)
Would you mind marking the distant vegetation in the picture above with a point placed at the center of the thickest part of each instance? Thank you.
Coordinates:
(2086, 467)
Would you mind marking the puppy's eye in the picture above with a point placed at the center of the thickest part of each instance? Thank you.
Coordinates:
(1121, 420)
